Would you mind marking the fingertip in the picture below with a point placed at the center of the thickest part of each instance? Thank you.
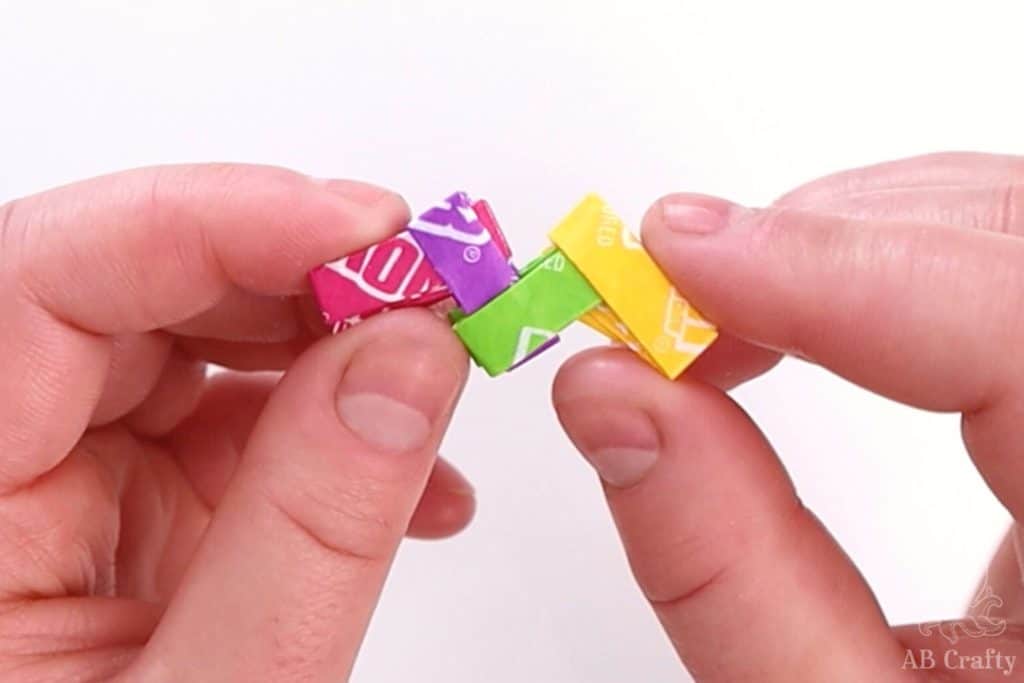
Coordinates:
(363, 193)
(688, 213)
(596, 371)
(172, 400)
(616, 375)
(600, 397)
(384, 212)
(449, 519)
(443, 510)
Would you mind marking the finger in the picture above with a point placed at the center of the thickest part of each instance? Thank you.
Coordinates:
(925, 315)
(998, 208)
(73, 638)
(208, 448)
(172, 399)
(731, 361)
(246, 356)
(446, 506)
(209, 444)
(137, 362)
(150, 382)
(293, 561)
(138, 251)
(242, 316)
(87, 250)
(945, 169)
(734, 566)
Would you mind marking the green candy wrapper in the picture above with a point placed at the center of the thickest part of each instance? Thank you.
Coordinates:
(549, 295)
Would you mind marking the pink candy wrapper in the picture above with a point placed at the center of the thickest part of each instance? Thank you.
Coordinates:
(388, 275)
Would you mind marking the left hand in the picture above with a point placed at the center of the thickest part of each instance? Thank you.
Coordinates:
(159, 525)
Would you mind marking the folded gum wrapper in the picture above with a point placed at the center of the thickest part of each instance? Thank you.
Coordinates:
(646, 310)
(597, 272)
(548, 297)
(462, 251)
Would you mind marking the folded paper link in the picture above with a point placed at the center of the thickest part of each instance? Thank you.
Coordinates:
(391, 274)
(387, 275)
(462, 252)
(597, 272)
(526, 318)
(642, 308)
(486, 216)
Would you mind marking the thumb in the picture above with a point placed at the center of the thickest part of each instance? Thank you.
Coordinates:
(748, 585)
(285, 580)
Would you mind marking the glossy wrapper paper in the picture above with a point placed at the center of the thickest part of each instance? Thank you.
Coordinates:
(642, 309)
(387, 275)
(526, 318)
(599, 273)
(391, 274)
(460, 248)
(486, 216)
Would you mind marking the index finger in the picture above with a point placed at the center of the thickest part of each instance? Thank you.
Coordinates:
(928, 315)
(141, 250)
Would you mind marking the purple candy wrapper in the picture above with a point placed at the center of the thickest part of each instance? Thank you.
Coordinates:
(462, 252)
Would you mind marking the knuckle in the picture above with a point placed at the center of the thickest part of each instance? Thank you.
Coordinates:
(228, 182)
(1010, 209)
(665, 584)
(171, 190)
(160, 195)
(346, 522)
(769, 226)
(701, 563)
(248, 191)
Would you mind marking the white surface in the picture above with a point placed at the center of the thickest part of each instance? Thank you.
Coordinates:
(530, 104)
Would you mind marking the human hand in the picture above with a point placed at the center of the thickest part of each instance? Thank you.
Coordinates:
(927, 254)
(156, 525)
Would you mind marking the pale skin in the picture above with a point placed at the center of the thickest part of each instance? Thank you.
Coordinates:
(160, 525)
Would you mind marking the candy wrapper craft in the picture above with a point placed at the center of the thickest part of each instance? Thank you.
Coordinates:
(596, 272)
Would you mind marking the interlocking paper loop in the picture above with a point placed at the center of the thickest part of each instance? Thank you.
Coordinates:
(387, 275)
(654, 317)
(527, 317)
(462, 252)
(597, 272)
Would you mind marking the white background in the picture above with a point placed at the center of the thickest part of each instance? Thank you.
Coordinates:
(531, 104)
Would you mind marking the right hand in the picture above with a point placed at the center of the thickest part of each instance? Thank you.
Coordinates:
(906, 278)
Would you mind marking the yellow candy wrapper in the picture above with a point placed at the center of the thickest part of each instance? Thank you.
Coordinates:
(643, 310)
(603, 320)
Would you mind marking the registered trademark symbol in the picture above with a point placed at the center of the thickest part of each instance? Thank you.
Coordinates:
(471, 254)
